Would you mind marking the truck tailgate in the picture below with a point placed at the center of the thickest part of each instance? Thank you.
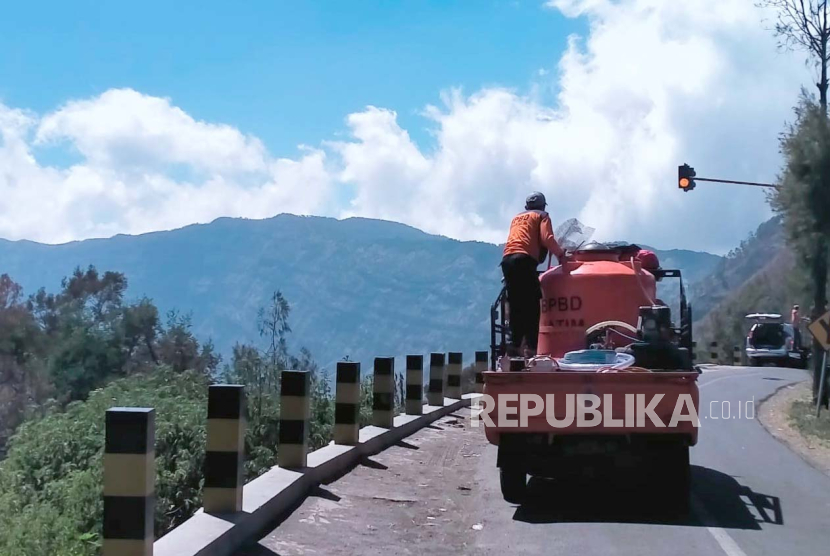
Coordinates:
(611, 387)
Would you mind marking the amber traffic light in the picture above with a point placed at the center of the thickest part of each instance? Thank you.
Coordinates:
(685, 177)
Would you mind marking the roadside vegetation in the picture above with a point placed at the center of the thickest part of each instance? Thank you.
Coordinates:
(796, 269)
(803, 196)
(66, 358)
(803, 418)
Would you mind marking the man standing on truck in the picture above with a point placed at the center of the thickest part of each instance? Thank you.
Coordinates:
(528, 244)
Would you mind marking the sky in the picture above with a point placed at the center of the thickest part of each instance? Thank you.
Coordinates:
(444, 115)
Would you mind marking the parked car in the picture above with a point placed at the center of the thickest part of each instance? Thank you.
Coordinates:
(770, 340)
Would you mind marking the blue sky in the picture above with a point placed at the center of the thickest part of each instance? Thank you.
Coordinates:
(287, 72)
(133, 117)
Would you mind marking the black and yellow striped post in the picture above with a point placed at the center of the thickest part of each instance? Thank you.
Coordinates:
(713, 352)
(736, 356)
(454, 365)
(414, 385)
(347, 403)
(383, 397)
(295, 388)
(481, 367)
(435, 395)
(129, 481)
(225, 450)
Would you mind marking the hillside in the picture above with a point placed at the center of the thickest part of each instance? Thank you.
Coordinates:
(357, 287)
(760, 276)
(738, 267)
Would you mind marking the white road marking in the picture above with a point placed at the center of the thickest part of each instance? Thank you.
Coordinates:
(753, 372)
(727, 543)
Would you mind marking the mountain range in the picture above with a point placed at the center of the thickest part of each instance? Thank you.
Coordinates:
(357, 287)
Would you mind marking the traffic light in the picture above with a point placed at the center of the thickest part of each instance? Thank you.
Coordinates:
(686, 177)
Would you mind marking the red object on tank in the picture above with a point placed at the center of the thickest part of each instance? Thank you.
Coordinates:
(648, 259)
(594, 287)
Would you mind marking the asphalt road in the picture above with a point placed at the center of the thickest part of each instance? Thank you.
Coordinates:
(439, 494)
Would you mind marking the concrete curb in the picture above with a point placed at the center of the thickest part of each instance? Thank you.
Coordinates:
(278, 491)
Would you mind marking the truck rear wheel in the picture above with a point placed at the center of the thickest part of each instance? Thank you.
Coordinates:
(513, 484)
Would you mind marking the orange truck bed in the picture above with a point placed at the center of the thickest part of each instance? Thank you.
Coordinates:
(620, 388)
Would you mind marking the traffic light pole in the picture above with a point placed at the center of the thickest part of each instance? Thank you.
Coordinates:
(738, 182)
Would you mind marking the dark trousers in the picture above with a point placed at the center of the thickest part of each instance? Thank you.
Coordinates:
(523, 295)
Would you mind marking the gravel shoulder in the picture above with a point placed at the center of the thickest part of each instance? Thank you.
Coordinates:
(777, 416)
(416, 497)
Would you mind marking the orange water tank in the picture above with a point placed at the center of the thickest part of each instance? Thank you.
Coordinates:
(599, 284)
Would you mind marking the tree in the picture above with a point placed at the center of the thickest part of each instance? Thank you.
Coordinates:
(273, 325)
(141, 328)
(259, 370)
(179, 348)
(804, 24)
(22, 377)
(68, 343)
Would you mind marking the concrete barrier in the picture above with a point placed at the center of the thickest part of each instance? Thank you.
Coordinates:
(414, 385)
(295, 409)
(455, 363)
(129, 481)
(480, 367)
(275, 493)
(383, 394)
(435, 395)
(347, 403)
(225, 449)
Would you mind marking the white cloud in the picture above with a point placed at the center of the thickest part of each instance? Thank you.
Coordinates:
(123, 128)
(146, 165)
(653, 85)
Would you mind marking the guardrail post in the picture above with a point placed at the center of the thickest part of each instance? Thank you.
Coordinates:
(736, 356)
(295, 407)
(129, 481)
(481, 366)
(414, 385)
(383, 396)
(454, 366)
(435, 395)
(347, 403)
(714, 352)
(694, 351)
(225, 450)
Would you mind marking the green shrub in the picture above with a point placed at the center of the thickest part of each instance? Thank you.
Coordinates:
(50, 483)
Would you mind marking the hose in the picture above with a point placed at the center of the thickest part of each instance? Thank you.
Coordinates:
(632, 338)
(631, 369)
(609, 323)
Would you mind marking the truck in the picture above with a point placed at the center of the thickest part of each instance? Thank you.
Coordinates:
(600, 306)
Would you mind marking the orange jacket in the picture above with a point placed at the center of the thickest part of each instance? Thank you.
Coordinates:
(531, 233)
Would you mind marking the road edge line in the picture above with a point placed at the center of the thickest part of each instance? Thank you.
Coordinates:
(725, 541)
